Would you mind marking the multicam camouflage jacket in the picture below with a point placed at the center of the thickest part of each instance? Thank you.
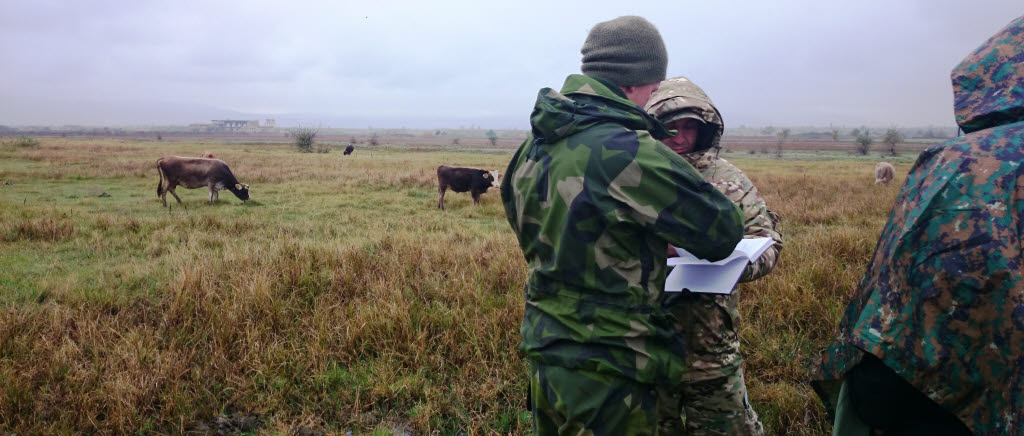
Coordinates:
(594, 199)
(759, 221)
(680, 95)
(942, 301)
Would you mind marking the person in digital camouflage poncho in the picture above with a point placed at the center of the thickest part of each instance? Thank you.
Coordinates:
(933, 341)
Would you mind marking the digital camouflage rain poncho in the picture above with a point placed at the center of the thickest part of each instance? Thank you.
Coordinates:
(942, 301)
(594, 199)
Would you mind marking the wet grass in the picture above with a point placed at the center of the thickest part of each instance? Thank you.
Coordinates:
(340, 298)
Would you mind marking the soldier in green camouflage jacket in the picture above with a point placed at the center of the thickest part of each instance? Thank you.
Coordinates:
(712, 397)
(594, 198)
(932, 342)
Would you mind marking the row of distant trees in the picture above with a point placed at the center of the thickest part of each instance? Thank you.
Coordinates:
(492, 137)
(862, 139)
(304, 140)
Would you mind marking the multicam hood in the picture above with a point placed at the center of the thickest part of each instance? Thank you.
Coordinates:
(678, 97)
(988, 85)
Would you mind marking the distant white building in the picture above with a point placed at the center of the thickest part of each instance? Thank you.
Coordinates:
(231, 126)
(248, 126)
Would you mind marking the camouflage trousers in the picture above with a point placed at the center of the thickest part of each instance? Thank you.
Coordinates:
(575, 402)
(712, 398)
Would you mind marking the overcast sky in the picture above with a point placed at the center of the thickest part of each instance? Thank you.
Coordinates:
(449, 63)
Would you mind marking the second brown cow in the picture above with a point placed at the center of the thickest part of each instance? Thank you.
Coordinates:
(192, 173)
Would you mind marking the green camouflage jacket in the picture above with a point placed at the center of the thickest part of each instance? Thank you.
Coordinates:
(680, 95)
(593, 199)
(942, 301)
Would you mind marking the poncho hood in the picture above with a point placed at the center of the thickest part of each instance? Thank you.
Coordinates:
(988, 85)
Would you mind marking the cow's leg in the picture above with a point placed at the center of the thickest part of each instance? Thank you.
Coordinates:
(476, 197)
(171, 190)
(440, 196)
(163, 196)
(216, 196)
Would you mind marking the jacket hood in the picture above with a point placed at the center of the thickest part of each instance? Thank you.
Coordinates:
(988, 85)
(583, 102)
(678, 97)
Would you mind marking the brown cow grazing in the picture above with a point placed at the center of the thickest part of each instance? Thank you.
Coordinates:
(192, 173)
(884, 173)
(208, 155)
(349, 149)
(476, 181)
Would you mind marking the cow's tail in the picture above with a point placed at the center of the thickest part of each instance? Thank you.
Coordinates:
(160, 183)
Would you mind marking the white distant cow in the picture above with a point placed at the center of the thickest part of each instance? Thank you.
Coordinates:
(208, 155)
(192, 173)
(884, 173)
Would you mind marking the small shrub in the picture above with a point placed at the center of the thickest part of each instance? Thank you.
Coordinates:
(303, 139)
(864, 142)
(892, 137)
(782, 136)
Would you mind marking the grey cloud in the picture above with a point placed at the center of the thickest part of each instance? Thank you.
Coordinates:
(781, 63)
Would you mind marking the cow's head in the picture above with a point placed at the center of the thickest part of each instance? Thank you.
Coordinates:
(495, 178)
(241, 191)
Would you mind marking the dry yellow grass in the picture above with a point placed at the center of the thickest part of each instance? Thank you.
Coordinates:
(340, 298)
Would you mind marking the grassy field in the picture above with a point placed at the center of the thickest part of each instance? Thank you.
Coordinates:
(340, 299)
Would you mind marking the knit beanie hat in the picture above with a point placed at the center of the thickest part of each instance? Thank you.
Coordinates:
(628, 51)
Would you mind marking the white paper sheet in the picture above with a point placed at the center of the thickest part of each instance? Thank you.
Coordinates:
(701, 276)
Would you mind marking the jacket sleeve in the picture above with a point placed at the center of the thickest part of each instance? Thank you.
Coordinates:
(665, 194)
(761, 222)
(507, 194)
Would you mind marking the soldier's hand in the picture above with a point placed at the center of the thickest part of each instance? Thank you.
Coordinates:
(671, 252)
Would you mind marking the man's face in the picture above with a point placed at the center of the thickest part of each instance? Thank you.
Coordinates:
(639, 94)
(686, 135)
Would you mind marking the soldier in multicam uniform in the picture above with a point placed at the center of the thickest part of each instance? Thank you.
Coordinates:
(594, 198)
(712, 398)
(933, 340)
